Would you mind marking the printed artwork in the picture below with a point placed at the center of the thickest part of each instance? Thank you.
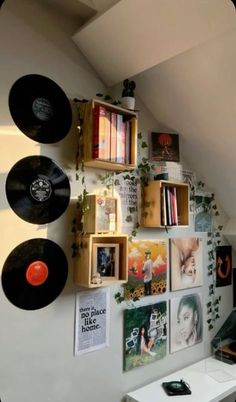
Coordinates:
(164, 147)
(146, 268)
(145, 335)
(106, 213)
(186, 262)
(92, 319)
(203, 211)
(223, 266)
(186, 322)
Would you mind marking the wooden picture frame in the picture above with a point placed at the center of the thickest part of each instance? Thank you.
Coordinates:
(105, 261)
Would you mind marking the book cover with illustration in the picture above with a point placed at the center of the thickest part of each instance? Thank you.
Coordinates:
(145, 335)
(164, 147)
(146, 268)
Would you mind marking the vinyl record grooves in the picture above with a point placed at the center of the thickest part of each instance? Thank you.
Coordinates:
(34, 274)
(40, 108)
(37, 189)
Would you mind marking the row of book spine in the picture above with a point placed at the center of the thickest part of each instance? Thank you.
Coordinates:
(169, 206)
(111, 135)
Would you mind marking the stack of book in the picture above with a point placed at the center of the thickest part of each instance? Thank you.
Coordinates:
(111, 135)
(169, 206)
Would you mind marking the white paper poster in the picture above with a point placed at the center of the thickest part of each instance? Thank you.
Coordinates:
(92, 318)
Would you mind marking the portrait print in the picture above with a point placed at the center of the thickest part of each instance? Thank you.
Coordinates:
(186, 262)
(146, 268)
(186, 326)
(145, 335)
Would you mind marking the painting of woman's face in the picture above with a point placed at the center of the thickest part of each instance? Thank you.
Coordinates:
(185, 322)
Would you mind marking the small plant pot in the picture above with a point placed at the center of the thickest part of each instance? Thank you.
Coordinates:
(128, 102)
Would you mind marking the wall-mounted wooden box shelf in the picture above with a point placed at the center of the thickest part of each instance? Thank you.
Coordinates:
(157, 206)
(100, 137)
(86, 263)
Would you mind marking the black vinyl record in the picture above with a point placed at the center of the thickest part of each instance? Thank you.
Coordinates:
(37, 189)
(34, 274)
(40, 108)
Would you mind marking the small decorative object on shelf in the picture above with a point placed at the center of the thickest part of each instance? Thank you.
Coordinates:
(128, 100)
(109, 136)
(102, 260)
(166, 204)
(101, 214)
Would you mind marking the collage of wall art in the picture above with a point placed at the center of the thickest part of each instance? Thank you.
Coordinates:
(146, 327)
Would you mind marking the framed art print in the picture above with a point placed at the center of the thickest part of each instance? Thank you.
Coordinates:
(186, 321)
(106, 261)
(145, 335)
(164, 147)
(146, 268)
(186, 262)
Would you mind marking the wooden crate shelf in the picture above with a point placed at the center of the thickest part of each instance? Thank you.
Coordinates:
(88, 137)
(153, 204)
(84, 262)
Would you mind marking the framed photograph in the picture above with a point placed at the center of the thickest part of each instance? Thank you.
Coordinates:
(145, 335)
(164, 147)
(186, 262)
(106, 261)
(186, 321)
(147, 266)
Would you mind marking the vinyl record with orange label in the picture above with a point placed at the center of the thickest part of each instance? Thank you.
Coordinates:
(40, 108)
(37, 189)
(34, 274)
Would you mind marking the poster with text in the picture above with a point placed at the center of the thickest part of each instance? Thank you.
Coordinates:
(145, 335)
(91, 321)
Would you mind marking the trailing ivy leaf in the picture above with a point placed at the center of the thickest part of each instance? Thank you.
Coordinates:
(76, 176)
(210, 327)
(217, 316)
(116, 182)
(107, 97)
(209, 304)
(209, 321)
(140, 136)
(128, 218)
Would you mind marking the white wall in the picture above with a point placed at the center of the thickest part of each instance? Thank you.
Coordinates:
(36, 347)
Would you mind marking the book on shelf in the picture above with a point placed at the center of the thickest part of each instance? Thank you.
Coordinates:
(112, 135)
(99, 129)
(120, 132)
(169, 206)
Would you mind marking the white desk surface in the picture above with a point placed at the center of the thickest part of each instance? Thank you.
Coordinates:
(199, 376)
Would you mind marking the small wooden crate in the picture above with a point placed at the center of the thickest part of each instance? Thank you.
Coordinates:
(153, 203)
(88, 137)
(101, 216)
(84, 264)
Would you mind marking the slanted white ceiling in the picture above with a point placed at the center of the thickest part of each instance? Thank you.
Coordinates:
(135, 35)
(182, 55)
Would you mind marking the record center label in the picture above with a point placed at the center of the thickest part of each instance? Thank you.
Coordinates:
(42, 109)
(40, 190)
(37, 273)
